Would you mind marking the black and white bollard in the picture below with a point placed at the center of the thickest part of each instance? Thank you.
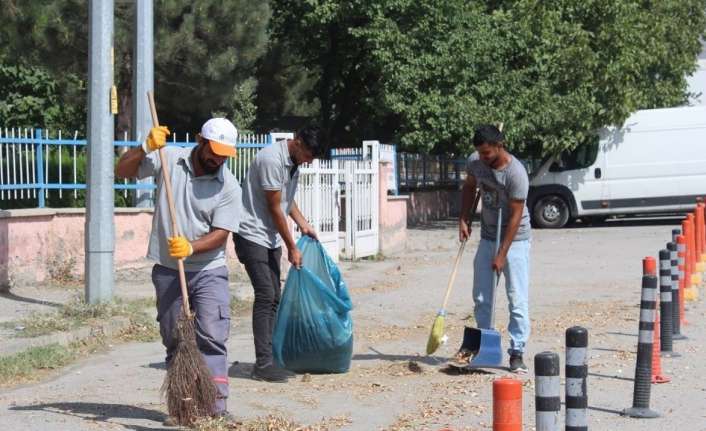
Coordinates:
(576, 374)
(643, 367)
(677, 275)
(547, 387)
(665, 305)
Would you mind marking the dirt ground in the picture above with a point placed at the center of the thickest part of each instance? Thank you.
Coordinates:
(588, 276)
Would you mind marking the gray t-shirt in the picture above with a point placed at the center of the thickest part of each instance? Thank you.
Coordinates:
(498, 187)
(271, 170)
(202, 203)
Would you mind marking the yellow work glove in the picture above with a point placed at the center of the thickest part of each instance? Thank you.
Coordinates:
(156, 139)
(179, 247)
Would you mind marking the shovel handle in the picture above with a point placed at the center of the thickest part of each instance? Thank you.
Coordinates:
(452, 278)
(496, 274)
(167, 182)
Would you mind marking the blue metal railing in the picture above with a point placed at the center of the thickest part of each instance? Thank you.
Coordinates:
(25, 159)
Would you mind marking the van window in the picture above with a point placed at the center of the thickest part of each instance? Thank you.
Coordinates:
(581, 157)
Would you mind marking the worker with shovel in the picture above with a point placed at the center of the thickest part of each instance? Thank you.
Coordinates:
(504, 185)
(268, 198)
(207, 202)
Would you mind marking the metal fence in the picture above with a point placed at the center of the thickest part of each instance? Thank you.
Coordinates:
(417, 171)
(385, 152)
(41, 166)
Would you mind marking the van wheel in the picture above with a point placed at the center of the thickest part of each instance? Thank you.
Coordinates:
(550, 212)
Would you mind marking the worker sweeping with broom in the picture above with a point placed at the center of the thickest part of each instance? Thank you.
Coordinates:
(504, 185)
(198, 205)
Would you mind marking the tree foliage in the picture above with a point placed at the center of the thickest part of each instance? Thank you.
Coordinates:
(205, 53)
(31, 98)
(552, 72)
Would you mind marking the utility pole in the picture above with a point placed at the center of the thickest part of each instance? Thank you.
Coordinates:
(142, 82)
(102, 105)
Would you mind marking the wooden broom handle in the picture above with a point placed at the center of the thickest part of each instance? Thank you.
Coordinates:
(167, 182)
(476, 198)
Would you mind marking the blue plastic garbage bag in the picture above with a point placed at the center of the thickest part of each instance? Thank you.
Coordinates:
(313, 328)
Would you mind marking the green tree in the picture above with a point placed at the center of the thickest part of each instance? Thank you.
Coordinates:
(205, 54)
(30, 98)
(553, 72)
(319, 36)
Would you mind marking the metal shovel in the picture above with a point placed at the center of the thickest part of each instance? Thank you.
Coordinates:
(487, 341)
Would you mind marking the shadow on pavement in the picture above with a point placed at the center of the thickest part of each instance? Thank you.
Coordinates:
(604, 410)
(625, 334)
(674, 220)
(12, 297)
(605, 376)
(157, 365)
(603, 349)
(428, 360)
(100, 413)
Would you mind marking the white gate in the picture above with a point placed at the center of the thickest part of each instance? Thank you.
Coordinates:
(362, 203)
(318, 198)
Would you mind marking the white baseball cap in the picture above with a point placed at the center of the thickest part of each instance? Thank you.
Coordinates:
(222, 136)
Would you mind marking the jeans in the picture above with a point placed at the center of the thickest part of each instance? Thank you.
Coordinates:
(262, 266)
(209, 299)
(516, 273)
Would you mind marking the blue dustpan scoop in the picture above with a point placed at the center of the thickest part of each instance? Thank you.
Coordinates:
(487, 346)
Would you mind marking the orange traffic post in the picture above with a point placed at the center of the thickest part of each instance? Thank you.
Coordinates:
(690, 292)
(657, 376)
(699, 216)
(507, 404)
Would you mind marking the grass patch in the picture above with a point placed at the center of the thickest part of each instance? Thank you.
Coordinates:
(33, 364)
(77, 313)
(24, 365)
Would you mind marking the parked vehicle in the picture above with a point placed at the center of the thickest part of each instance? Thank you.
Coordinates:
(655, 163)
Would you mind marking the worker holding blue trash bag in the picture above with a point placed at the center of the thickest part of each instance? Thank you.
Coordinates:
(314, 330)
(268, 198)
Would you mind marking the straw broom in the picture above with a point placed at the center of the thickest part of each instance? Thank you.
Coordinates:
(189, 390)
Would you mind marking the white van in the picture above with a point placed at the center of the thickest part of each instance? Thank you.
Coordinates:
(655, 163)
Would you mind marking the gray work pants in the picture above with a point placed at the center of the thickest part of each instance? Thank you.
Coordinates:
(209, 299)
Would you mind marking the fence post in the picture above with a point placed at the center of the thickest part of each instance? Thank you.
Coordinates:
(424, 170)
(39, 150)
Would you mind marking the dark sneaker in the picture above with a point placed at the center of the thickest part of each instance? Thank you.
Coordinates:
(270, 373)
(517, 365)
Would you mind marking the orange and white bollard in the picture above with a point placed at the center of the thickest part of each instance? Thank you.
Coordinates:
(507, 404)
